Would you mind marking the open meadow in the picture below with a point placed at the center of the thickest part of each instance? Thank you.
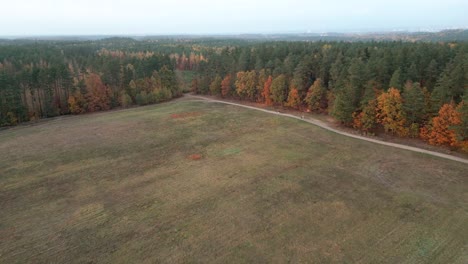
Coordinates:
(189, 181)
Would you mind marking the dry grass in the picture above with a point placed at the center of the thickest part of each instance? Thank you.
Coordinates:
(124, 187)
(195, 157)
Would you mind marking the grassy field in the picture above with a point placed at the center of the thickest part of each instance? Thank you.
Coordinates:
(204, 182)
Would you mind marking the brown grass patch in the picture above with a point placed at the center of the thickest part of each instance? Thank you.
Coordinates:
(195, 157)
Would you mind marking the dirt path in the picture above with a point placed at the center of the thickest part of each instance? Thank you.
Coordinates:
(327, 127)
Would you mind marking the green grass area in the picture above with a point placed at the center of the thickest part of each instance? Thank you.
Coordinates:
(120, 187)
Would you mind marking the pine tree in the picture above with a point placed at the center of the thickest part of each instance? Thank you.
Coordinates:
(412, 73)
(462, 129)
(343, 107)
(169, 80)
(451, 84)
(432, 73)
(356, 81)
(413, 103)
(395, 81)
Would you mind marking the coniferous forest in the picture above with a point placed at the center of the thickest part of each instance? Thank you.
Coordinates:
(46, 79)
(406, 89)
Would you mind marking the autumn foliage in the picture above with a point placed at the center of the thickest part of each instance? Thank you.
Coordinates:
(390, 112)
(226, 86)
(366, 119)
(316, 98)
(402, 113)
(76, 103)
(246, 85)
(267, 91)
(441, 131)
(96, 98)
(294, 101)
(98, 95)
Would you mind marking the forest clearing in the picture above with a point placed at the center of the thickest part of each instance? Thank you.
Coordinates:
(186, 181)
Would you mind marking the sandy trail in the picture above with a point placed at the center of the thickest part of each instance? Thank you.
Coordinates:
(327, 127)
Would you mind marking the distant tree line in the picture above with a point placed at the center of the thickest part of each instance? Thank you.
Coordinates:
(405, 89)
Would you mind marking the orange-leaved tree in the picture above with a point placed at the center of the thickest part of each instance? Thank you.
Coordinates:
(441, 130)
(226, 86)
(390, 112)
(98, 94)
(267, 91)
(294, 101)
(316, 98)
(262, 78)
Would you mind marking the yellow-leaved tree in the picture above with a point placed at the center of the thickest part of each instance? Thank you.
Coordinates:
(390, 112)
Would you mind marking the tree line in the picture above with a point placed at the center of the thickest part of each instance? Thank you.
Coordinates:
(46, 79)
(402, 88)
(414, 90)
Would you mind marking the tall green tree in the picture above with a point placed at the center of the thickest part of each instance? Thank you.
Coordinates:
(343, 107)
(432, 72)
(396, 81)
(279, 89)
(413, 103)
(356, 81)
(462, 129)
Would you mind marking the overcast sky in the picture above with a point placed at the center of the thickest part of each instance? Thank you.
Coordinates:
(144, 17)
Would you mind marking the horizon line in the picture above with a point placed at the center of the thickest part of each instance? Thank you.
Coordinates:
(350, 32)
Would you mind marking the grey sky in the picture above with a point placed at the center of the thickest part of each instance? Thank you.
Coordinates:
(88, 17)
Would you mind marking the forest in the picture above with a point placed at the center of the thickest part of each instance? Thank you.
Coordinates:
(416, 90)
(406, 89)
(46, 79)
